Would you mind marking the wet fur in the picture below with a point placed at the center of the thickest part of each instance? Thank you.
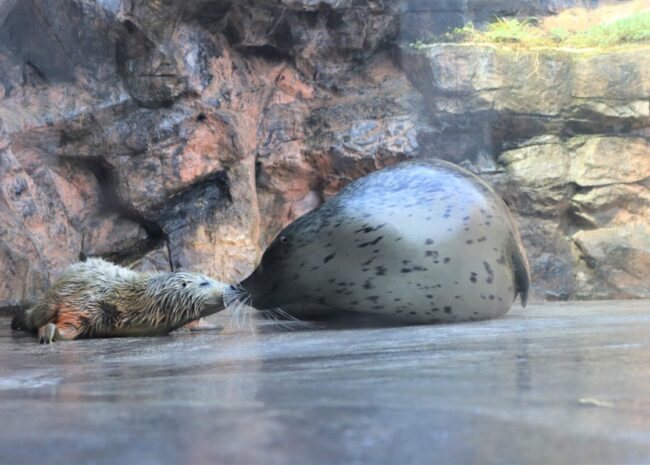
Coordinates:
(99, 299)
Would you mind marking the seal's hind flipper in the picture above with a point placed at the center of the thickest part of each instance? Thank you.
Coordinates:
(18, 322)
(522, 273)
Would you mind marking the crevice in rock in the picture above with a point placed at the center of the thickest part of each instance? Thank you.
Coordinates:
(206, 196)
(109, 203)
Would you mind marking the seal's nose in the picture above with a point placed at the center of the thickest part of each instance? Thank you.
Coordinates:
(260, 291)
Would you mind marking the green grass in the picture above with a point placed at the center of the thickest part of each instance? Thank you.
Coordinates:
(634, 29)
(631, 30)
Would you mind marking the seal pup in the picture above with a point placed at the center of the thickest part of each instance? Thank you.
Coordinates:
(418, 242)
(96, 298)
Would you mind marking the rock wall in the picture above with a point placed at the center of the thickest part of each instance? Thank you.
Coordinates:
(183, 135)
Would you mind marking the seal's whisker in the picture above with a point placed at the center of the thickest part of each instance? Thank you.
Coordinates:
(294, 320)
(251, 326)
(271, 315)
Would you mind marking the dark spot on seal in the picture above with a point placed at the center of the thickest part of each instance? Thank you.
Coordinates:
(368, 262)
(354, 302)
(368, 285)
(489, 271)
(373, 298)
(469, 241)
(447, 259)
(406, 270)
(447, 309)
(328, 258)
(380, 271)
(366, 244)
(432, 253)
(428, 241)
(472, 277)
(368, 229)
(491, 297)
(429, 296)
(406, 262)
(412, 313)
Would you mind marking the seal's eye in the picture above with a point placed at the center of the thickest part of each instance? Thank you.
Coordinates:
(204, 283)
(184, 284)
(284, 239)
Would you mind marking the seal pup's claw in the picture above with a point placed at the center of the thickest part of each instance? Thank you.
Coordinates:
(46, 333)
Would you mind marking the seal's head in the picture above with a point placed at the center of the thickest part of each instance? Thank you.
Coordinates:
(188, 293)
(287, 270)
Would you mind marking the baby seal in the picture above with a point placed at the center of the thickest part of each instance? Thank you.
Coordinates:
(421, 241)
(99, 299)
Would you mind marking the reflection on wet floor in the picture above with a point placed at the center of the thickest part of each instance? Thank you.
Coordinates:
(555, 383)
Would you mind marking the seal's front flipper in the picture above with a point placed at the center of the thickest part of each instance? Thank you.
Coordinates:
(46, 333)
(201, 325)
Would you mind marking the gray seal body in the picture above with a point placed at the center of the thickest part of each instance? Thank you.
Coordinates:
(421, 241)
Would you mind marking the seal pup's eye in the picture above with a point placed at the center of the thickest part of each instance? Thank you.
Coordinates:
(284, 239)
(204, 283)
(184, 284)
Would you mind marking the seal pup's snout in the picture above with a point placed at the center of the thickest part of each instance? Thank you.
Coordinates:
(213, 293)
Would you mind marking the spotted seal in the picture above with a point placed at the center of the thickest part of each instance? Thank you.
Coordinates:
(96, 298)
(421, 241)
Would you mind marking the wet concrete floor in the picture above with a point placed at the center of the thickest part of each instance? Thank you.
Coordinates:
(554, 383)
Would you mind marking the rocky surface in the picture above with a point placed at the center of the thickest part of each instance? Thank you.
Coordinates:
(184, 135)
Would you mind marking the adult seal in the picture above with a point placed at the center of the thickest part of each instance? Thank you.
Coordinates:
(99, 299)
(421, 241)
